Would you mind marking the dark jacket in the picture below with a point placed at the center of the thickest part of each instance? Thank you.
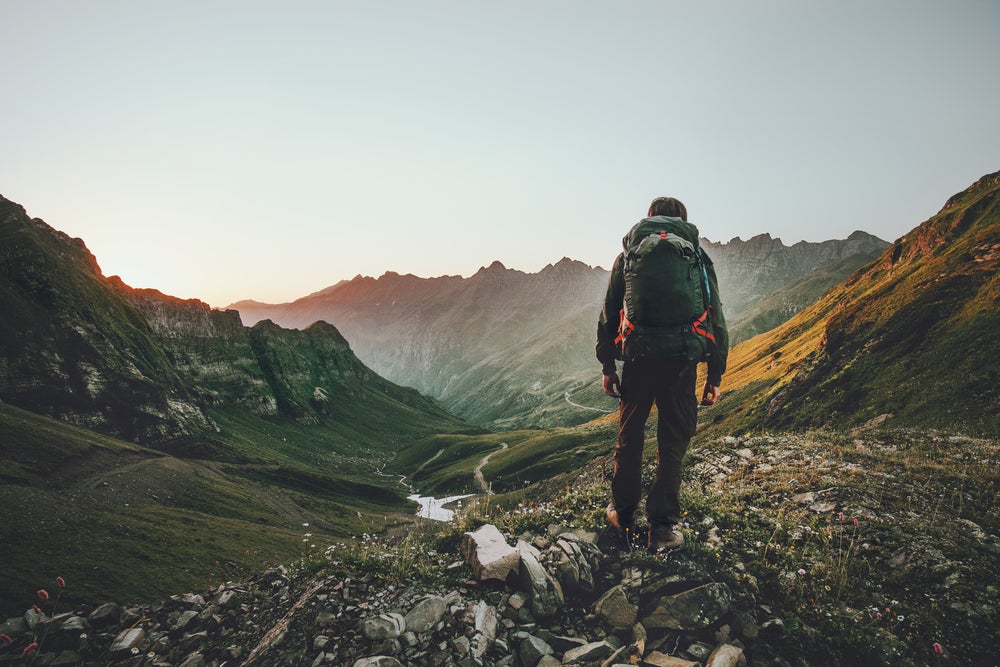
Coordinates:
(609, 320)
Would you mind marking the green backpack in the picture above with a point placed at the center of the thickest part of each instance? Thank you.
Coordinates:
(666, 314)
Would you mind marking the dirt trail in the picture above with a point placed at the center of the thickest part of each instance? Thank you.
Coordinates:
(477, 474)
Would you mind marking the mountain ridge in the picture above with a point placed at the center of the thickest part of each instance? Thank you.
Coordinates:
(506, 349)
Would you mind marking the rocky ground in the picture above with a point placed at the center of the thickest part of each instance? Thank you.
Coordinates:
(819, 549)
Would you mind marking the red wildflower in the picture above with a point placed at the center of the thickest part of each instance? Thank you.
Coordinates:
(42, 593)
(855, 522)
(5, 638)
(38, 610)
(938, 648)
(30, 648)
(61, 582)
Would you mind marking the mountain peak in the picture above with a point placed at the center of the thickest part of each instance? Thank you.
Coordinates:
(496, 267)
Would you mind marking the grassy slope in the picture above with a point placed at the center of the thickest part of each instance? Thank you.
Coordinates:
(917, 325)
(123, 522)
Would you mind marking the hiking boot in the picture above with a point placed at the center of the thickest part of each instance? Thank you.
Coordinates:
(620, 521)
(664, 538)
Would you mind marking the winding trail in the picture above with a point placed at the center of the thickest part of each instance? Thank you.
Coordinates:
(477, 474)
(566, 395)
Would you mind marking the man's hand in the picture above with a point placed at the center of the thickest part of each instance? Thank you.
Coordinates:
(612, 385)
(710, 395)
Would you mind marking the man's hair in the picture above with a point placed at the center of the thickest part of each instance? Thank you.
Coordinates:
(668, 206)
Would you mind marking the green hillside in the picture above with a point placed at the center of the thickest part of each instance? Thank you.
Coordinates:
(909, 338)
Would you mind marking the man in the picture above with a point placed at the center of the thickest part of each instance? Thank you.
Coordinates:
(662, 315)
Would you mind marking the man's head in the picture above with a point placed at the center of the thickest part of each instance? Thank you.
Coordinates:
(668, 206)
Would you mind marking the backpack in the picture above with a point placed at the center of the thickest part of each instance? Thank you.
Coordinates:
(667, 313)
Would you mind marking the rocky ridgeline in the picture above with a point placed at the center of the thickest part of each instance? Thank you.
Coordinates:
(533, 601)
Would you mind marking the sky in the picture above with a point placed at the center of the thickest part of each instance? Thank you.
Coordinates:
(228, 150)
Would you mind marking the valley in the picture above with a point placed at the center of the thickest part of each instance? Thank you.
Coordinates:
(843, 489)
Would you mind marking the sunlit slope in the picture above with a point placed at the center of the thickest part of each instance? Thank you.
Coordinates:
(912, 337)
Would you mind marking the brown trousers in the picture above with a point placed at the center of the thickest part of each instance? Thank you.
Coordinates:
(671, 386)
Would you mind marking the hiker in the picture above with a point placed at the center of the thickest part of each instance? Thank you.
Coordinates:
(662, 315)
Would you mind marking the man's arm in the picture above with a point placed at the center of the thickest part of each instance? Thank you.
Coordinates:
(607, 327)
(719, 353)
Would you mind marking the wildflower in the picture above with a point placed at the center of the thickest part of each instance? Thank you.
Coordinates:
(42, 593)
(878, 615)
(5, 638)
(840, 516)
(151, 654)
(855, 522)
(305, 525)
(938, 649)
(61, 582)
(30, 648)
(802, 572)
(36, 609)
(135, 650)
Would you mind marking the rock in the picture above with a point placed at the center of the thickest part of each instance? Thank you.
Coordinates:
(194, 660)
(615, 608)
(34, 618)
(657, 659)
(546, 595)
(532, 650)
(127, 640)
(461, 645)
(14, 626)
(426, 614)
(227, 599)
(485, 625)
(639, 638)
(548, 661)
(383, 626)
(378, 661)
(105, 615)
(727, 655)
(591, 652)
(184, 620)
(488, 553)
(694, 609)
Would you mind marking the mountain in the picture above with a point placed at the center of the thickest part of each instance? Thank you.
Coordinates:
(751, 270)
(780, 305)
(508, 349)
(502, 347)
(132, 417)
(910, 337)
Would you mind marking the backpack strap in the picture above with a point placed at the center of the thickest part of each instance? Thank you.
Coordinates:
(698, 326)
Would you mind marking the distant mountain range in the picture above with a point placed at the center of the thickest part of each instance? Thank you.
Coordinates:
(507, 349)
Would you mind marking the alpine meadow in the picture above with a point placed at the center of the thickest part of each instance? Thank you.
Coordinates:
(183, 485)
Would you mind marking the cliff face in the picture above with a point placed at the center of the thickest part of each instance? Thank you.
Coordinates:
(751, 270)
(147, 367)
(73, 348)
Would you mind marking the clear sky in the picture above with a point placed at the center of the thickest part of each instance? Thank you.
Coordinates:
(246, 149)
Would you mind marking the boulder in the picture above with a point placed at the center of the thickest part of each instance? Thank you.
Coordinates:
(726, 655)
(592, 652)
(383, 626)
(616, 609)
(426, 614)
(488, 553)
(532, 650)
(694, 609)
(546, 594)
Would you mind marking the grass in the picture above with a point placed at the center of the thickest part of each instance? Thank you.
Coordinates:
(126, 523)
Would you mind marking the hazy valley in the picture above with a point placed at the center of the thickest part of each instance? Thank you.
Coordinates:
(842, 495)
